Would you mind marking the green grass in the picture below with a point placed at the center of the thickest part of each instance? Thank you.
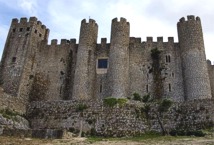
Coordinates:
(143, 138)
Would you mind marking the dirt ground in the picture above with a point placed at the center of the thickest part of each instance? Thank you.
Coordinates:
(85, 141)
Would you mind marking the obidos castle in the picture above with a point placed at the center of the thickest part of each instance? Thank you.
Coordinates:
(32, 69)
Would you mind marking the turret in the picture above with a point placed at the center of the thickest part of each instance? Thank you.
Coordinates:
(195, 74)
(85, 63)
(18, 57)
(119, 58)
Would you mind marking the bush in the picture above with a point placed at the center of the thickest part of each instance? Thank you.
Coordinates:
(137, 97)
(121, 101)
(81, 107)
(110, 102)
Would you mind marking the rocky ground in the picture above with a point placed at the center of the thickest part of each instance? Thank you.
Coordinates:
(116, 141)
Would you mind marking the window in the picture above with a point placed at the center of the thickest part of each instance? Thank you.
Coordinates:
(102, 63)
(170, 89)
(35, 31)
(14, 30)
(147, 88)
(40, 35)
(28, 28)
(101, 88)
(21, 29)
(14, 59)
(168, 59)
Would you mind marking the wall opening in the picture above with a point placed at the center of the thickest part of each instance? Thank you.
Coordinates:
(101, 88)
(14, 30)
(21, 29)
(102, 63)
(13, 59)
(28, 28)
(170, 89)
(147, 88)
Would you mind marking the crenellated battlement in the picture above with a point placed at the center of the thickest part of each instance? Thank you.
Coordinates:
(25, 22)
(63, 42)
(189, 18)
(32, 25)
(122, 21)
(90, 22)
(134, 40)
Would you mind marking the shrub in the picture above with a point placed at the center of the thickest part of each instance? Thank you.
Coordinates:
(110, 102)
(137, 97)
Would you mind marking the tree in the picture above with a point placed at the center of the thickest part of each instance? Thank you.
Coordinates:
(80, 108)
(156, 107)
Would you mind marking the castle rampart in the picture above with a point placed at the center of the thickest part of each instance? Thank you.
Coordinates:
(196, 79)
(35, 70)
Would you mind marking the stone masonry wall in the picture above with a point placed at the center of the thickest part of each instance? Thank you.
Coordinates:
(119, 121)
(11, 102)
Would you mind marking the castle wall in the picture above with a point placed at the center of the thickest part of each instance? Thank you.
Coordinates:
(54, 71)
(119, 121)
(194, 66)
(141, 71)
(20, 48)
(211, 76)
(119, 58)
(101, 85)
(85, 71)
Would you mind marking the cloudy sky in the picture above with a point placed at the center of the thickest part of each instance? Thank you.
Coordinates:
(147, 17)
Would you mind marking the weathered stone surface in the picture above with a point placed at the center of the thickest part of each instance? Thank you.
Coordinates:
(34, 70)
(118, 121)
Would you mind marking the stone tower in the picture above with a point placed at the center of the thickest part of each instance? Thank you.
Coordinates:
(85, 64)
(18, 60)
(119, 58)
(194, 66)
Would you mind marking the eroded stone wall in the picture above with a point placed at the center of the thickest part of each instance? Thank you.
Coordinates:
(119, 121)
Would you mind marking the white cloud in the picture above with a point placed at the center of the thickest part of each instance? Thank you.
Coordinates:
(28, 6)
(147, 17)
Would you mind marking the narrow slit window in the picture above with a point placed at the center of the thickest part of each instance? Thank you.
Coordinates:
(102, 63)
(101, 88)
(166, 58)
(169, 58)
(170, 89)
(147, 88)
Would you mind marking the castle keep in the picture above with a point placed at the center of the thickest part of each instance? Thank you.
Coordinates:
(34, 70)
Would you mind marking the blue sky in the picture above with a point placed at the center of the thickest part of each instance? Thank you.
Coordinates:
(147, 17)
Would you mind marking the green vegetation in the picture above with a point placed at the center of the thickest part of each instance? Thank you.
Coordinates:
(153, 107)
(81, 108)
(146, 138)
(8, 113)
(111, 102)
(156, 71)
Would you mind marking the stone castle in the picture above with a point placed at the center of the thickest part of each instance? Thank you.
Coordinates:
(34, 70)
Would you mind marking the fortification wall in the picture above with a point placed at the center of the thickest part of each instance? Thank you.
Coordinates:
(119, 58)
(211, 76)
(55, 65)
(194, 66)
(101, 84)
(117, 121)
(11, 102)
(141, 68)
(85, 70)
